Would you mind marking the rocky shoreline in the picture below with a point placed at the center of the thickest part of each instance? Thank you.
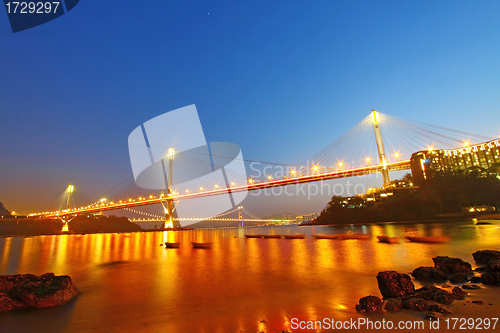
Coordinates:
(22, 291)
(398, 290)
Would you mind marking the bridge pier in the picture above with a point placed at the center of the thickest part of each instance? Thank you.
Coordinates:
(169, 215)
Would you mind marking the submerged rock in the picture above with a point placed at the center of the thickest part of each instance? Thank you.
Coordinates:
(452, 265)
(393, 284)
(429, 274)
(369, 304)
(27, 290)
(485, 256)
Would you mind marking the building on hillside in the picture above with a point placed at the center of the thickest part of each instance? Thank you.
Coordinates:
(426, 162)
(306, 217)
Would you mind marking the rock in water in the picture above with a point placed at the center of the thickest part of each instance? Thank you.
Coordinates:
(492, 274)
(493, 266)
(452, 265)
(7, 303)
(459, 279)
(369, 304)
(8, 282)
(491, 278)
(393, 304)
(393, 284)
(475, 279)
(471, 287)
(429, 273)
(439, 308)
(30, 290)
(485, 256)
(432, 293)
(415, 304)
(458, 293)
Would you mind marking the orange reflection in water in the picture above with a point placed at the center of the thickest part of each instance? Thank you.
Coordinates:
(129, 281)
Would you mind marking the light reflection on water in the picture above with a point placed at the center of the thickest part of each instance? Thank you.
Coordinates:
(129, 282)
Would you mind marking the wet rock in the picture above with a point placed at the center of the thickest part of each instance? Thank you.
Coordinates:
(485, 256)
(393, 284)
(369, 304)
(429, 274)
(415, 304)
(432, 293)
(9, 282)
(478, 302)
(439, 308)
(459, 278)
(458, 293)
(443, 297)
(8, 303)
(475, 279)
(491, 278)
(393, 304)
(434, 316)
(493, 266)
(480, 269)
(27, 290)
(471, 287)
(452, 265)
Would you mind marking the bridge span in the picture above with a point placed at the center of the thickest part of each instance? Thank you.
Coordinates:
(251, 186)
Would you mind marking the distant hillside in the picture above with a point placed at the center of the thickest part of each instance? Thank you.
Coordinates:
(3, 210)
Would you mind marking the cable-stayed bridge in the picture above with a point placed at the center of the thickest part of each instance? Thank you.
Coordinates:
(378, 144)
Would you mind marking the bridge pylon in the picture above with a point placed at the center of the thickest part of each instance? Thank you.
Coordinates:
(170, 207)
(380, 147)
(70, 190)
(240, 216)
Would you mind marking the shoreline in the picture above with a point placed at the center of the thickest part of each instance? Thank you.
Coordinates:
(477, 217)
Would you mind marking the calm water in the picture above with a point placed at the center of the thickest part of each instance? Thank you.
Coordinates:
(130, 283)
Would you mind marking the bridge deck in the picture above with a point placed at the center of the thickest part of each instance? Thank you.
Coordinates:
(395, 166)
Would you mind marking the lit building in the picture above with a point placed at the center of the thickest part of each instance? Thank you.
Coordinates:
(425, 163)
(306, 217)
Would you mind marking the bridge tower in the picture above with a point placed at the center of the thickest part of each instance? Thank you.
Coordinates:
(240, 215)
(380, 147)
(70, 191)
(169, 210)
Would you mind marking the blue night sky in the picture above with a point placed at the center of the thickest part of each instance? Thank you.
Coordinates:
(282, 79)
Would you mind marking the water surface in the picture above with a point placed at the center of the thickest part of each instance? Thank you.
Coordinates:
(130, 283)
